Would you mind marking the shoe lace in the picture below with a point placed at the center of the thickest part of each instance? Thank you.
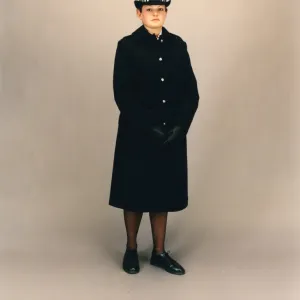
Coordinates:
(167, 255)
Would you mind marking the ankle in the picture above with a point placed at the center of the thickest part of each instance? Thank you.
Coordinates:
(158, 250)
(131, 246)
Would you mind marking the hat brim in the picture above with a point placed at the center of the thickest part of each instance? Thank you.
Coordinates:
(139, 4)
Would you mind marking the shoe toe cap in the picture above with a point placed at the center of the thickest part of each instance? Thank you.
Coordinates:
(131, 270)
(177, 270)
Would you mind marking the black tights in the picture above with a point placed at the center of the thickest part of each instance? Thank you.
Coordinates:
(158, 228)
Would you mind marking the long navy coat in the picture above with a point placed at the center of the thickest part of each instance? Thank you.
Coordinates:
(154, 84)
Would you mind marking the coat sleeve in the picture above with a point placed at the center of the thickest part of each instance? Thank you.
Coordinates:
(124, 86)
(187, 110)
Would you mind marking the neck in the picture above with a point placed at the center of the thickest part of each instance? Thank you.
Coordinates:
(155, 31)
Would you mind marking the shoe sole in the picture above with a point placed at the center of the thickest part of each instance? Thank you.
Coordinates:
(173, 273)
(131, 272)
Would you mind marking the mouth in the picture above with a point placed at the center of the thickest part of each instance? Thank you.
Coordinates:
(155, 20)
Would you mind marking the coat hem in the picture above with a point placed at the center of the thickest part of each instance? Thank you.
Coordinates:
(175, 209)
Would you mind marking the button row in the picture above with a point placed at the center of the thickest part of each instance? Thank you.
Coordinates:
(162, 79)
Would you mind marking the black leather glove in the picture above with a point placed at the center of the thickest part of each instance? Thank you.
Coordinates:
(158, 133)
(174, 134)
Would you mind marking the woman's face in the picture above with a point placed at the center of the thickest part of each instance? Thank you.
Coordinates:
(153, 16)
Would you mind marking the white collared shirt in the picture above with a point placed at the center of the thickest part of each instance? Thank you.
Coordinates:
(159, 35)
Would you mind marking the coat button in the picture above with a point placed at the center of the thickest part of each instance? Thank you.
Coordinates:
(160, 59)
(164, 123)
(162, 79)
(161, 40)
(164, 101)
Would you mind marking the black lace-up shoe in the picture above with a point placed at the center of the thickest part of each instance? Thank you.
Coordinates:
(131, 261)
(164, 261)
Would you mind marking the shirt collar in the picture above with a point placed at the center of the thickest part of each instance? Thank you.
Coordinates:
(159, 35)
(143, 32)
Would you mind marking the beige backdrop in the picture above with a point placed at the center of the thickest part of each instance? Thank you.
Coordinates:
(58, 123)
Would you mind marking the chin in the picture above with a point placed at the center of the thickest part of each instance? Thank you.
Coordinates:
(156, 25)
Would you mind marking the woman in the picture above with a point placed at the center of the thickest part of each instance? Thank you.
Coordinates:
(156, 92)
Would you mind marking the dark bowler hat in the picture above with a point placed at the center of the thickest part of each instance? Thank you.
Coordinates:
(140, 3)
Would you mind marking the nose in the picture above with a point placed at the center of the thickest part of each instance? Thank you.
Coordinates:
(155, 12)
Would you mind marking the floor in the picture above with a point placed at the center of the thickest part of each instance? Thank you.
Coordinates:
(233, 264)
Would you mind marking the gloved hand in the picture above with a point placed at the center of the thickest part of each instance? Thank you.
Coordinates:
(174, 134)
(158, 133)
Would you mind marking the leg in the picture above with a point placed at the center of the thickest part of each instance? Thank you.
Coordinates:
(158, 227)
(130, 260)
(160, 258)
(132, 224)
